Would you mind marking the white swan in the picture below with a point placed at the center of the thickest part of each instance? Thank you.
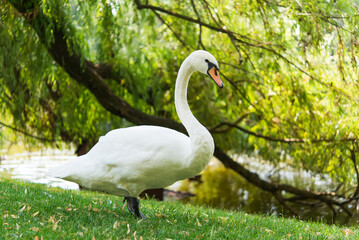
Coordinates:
(127, 161)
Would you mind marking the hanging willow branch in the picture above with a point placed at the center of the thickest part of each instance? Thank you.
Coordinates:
(242, 40)
(235, 125)
(26, 133)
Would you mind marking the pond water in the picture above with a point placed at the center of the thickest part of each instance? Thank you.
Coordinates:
(32, 166)
(218, 187)
(223, 188)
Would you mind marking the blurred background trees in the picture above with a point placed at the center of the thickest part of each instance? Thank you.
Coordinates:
(70, 71)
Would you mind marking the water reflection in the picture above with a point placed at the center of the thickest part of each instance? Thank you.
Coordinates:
(33, 166)
(223, 188)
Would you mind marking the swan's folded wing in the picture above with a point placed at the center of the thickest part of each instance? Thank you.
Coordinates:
(143, 146)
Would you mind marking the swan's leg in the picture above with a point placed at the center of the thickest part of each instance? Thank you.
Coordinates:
(132, 205)
(129, 206)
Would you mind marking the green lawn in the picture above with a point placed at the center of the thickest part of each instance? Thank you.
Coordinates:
(33, 211)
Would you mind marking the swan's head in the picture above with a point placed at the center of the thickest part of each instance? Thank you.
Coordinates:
(205, 63)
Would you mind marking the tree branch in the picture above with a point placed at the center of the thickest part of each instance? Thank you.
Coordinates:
(170, 28)
(26, 133)
(274, 139)
(280, 199)
(353, 158)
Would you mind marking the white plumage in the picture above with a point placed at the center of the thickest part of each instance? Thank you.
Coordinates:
(127, 161)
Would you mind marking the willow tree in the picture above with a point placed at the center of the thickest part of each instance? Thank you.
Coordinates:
(73, 70)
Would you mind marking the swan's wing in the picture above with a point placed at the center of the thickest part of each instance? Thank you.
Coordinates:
(141, 147)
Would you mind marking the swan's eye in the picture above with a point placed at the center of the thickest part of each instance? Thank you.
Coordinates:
(206, 60)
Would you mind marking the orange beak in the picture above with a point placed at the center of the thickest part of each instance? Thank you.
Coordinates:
(213, 73)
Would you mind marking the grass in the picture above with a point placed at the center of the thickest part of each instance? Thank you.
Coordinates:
(34, 211)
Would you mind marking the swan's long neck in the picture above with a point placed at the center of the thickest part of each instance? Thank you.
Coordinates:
(202, 145)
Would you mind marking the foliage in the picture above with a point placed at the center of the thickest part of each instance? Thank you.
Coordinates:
(34, 211)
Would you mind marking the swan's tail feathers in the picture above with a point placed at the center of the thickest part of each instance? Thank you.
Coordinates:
(58, 172)
(66, 169)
